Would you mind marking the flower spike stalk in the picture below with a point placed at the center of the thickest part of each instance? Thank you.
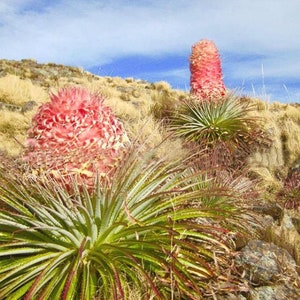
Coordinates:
(206, 74)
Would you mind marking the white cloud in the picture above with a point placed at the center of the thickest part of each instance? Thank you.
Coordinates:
(102, 28)
(91, 32)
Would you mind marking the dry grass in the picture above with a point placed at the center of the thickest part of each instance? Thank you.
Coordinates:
(17, 91)
(282, 122)
(13, 124)
(151, 134)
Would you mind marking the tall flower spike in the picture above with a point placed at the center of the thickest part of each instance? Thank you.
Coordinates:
(206, 74)
(75, 134)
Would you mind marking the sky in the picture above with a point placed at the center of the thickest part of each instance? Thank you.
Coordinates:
(258, 40)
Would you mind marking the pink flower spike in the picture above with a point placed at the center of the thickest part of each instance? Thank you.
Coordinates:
(206, 74)
(75, 134)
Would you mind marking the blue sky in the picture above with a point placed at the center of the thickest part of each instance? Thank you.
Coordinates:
(258, 40)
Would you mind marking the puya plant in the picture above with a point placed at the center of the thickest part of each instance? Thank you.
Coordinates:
(140, 231)
(75, 133)
(213, 118)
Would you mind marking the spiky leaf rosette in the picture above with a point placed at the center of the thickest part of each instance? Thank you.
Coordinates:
(141, 232)
(224, 126)
(75, 133)
(206, 73)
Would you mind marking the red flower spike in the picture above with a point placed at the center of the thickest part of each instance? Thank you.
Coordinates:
(206, 74)
(75, 134)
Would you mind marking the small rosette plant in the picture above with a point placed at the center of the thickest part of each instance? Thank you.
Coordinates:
(75, 134)
(206, 73)
(224, 127)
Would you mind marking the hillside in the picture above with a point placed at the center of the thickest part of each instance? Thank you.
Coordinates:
(141, 106)
(26, 84)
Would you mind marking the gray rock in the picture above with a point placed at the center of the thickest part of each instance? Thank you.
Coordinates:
(264, 263)
(276, 292)
(231, 296)
(29, 105)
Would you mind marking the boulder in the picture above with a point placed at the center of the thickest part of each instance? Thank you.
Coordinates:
(263, 263)
(276, 292)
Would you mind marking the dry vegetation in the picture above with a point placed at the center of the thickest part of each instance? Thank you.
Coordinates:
(141, 106)
(282, 123)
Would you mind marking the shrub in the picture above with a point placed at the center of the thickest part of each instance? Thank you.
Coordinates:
(164, 105)
(289, 195)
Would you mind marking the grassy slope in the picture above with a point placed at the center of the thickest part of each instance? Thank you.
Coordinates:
(133, 102)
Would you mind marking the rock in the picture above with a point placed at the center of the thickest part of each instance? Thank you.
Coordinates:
(9, 107)
(29, 105)
(264, 263)
(231, 296)
(286, 233)
(276, 292)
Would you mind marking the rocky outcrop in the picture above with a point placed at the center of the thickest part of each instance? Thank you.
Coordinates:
(42, 74)
(27, 106)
